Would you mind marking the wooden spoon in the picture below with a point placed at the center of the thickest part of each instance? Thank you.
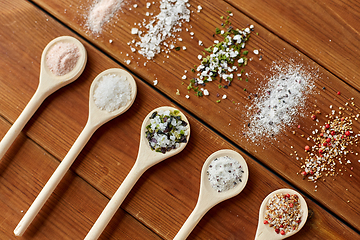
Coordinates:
(97, 117)
(146, 158)
(208, 196)
(48, 84)
(264, 232)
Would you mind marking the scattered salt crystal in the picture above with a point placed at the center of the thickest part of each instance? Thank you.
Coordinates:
(224, 96)
(184, 48)
(187, 96)
(101, 12)
(135, 5)
(112, 92)
(110, 41)
(280, 100)
(192, 33)
(200, 43)
(155, 82)
(183, 77)
(199, 57)
(256, 52)
(172, 14)
(127, 62)
(199, 8)
(62, 58)
(206, 92)
(134, 31)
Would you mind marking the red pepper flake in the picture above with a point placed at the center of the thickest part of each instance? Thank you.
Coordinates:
(298, 126)
(320, 151)
(266, 222)
(329, 139)
(338, 93)
(307, 148)
(313, 117)
(327, 125)
(347, 133)
(282, 232)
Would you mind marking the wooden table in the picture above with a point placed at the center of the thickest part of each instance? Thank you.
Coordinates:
(320, 34)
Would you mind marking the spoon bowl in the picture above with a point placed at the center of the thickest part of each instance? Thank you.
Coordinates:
(48, 79)
(146, 158)
(96, 118)
(48, 84)
(208, 196)
(264, 231)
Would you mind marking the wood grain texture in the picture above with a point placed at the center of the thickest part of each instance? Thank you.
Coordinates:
(70, 211)
(274, 153)
(326, 31)
(166, 194)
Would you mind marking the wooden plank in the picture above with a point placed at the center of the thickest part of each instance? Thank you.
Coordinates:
(276, 153)
(166, 194)
(69, 212)
(326, 31)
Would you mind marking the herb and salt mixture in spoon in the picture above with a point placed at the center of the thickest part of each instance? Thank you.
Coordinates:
(146, 158)
(166, 130)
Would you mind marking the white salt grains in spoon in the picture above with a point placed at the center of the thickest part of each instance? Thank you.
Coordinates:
(62, 69)
(96, 118)
(217, 185)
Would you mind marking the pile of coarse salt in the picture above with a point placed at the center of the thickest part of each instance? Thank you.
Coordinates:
(224, 173)
(162, 26)
(62, 58)
(280, 102)
(100, 13)
(112, 92)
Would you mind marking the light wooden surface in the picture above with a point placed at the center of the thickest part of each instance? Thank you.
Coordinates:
(165, 195)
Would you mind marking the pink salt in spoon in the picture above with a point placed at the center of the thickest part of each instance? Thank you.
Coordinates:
(96, 118)
(209, 196)
(146, 158)
(264, 231)
(49, 83)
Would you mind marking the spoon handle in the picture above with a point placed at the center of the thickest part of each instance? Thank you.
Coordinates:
(21, 121)
(190, 223)
(115, 202)
(54, 179)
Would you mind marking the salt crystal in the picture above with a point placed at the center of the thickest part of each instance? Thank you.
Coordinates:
(187, 96)
(206, 92)
(134, 31)
(155, 82)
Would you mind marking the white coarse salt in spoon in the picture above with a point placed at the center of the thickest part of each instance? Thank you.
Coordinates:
(146, 158)
(212, 194)
(96, 118)
(49, 82)
(264, 231)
